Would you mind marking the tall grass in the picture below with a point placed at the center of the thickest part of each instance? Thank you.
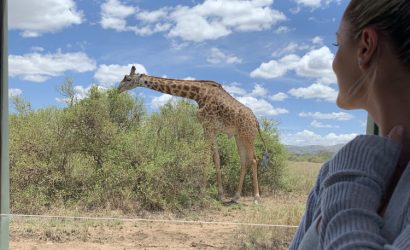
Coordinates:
(283, 208)
(299, 177)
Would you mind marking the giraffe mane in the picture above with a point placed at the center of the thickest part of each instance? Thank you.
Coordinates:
(207, 82)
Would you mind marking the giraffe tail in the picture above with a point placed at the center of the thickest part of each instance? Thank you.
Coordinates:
(265, 157)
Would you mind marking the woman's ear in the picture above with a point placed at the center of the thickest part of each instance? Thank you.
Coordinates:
(367, 48)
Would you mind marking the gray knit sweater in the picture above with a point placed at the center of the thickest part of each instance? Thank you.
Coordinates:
(346, 198)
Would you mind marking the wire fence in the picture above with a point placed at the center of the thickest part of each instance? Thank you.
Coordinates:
(144, 220)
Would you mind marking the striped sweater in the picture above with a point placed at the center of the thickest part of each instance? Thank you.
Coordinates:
(346, 198)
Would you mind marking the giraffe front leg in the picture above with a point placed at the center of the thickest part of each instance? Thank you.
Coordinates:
(213, 146)
(217, 163)
(243, 159)
(240, 183)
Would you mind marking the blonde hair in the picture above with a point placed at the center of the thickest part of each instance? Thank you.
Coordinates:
(390, 17)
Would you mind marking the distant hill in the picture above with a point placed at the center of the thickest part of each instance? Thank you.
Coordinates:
(313, 149)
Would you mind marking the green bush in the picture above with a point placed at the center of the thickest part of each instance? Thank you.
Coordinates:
(175, 167)
(105, 152)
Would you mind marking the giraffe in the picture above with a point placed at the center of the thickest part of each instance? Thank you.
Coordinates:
(218, 112)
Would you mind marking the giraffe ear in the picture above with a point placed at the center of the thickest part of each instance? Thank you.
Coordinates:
(132, 70)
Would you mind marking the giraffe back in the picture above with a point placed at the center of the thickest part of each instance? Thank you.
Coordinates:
(224, 113)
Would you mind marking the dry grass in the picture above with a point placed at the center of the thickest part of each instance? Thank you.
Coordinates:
(299, 177)
(281, 208)
(58, 230)
(284, 208)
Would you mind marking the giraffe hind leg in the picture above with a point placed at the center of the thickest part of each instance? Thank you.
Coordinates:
(248, 159)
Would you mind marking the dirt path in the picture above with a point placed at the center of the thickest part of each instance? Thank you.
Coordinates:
(141, 236)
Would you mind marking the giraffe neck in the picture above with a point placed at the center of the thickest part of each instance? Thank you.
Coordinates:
(192, 89)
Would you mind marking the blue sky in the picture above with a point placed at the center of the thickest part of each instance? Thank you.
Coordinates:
(273, 56)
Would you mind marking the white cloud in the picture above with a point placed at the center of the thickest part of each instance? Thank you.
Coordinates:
(209, 20)
(217, 56)
(258, 90)
(315, 3)
(317, 40)
(38, 67)
(316, 63)
(261, 107)
(279, 97)
(309, 3)
(306, 137)
(213, 19)
(282, 30)
(163, 99)
(273, 68)
(81, 92)
(152, 16)
(291, 48)
(339, 116)
(113, 15)
(15, 92)
(317, 124)
(189, 78)
(150, 29)
(109, 75)
(235, 89)
(35, 18)
(151, 22)
(315, 91)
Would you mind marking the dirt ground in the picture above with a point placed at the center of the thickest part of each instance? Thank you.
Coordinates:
(143, 236)
(39, 234)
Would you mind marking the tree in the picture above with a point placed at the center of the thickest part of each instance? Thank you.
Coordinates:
(66, 89)
(22, 106)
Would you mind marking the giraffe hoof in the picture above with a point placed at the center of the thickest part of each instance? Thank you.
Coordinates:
(236, 197)
(256, 200)
(230, 202)
(233, 200)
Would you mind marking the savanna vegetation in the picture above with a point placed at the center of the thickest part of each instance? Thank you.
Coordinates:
(319, 157)
(105, 152)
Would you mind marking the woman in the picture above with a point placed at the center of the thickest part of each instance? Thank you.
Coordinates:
(362, 196)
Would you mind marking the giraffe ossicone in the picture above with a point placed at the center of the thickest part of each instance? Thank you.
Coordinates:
(218, 112)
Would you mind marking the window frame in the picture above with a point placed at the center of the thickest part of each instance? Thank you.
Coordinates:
(4, 154)
(371, 129)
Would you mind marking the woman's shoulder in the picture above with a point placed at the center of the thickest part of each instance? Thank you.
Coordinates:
(397, 215)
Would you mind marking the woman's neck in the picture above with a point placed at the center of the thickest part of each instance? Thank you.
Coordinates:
(389, 107)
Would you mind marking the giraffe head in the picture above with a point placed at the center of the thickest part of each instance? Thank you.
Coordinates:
(130, 81)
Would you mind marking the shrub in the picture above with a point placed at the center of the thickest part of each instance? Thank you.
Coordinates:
(104, 152)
